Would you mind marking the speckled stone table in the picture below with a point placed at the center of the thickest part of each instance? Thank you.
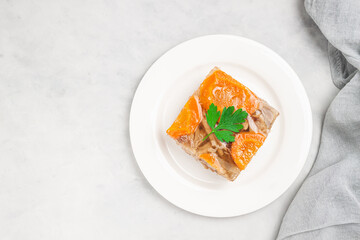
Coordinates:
(68, 72)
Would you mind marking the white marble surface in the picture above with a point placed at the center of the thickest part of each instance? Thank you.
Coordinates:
(68, 72)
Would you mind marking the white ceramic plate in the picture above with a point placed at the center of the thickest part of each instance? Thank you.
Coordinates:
(179, 178)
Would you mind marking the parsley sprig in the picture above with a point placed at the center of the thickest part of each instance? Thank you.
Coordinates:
(229, 123)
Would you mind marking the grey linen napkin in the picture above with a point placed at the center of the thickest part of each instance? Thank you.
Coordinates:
(327, 205)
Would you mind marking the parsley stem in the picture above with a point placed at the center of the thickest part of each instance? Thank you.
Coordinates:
(208, 135)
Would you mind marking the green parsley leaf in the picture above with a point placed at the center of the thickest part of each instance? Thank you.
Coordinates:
(225, 136)
(212, 115)
(229, 123)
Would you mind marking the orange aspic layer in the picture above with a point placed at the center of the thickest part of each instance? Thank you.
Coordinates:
(218, 88)
(187, 120)
(224, 91)
(245, 147)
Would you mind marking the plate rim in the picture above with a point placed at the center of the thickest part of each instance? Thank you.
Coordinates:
(295, 79)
